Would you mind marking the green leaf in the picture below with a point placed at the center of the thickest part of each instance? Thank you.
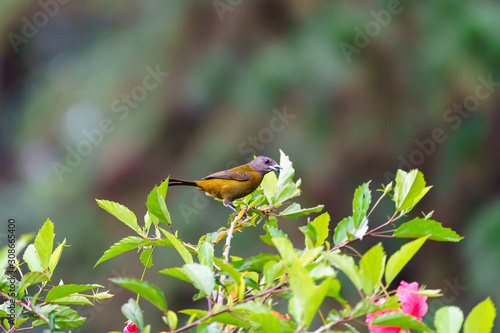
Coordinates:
(44, 243)
(181, 249)
(234, 274)
(316, 232)
(132, 311)
(285, 249)
(419, 227)
(32, 278)
(146, 257)
(398, 319)
(371, 269)
(74, 299)
(56, 255)
(287, 189)
(124, 245)
(122, 213)
(32, 259)
(21, 243)
(302, 287)
(481, 318)
(321, 224)
(147, 290)
(269, 185)
(346, 264)
(68, 289)
(202, 277)
(176, 272)
(64, 316)
(399, 259)
(206, 253)
(410, 188)
(172, 320)
(294, 210)
(360, 204)
(448, 319)
(272, 231)
(344, 231)
(156, 203)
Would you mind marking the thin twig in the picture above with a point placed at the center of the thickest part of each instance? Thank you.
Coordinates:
(227, 247)
(330, 325)
(27, 307)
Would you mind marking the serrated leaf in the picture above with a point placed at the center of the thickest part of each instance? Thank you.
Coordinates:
(44, 243)
(347, 265)
(176, 272)
(74, 299)
(285, 249)
(122, 213)
(32, 259)
(181, 249)
(294, 210)
(146, 257)
(56, 255)
(68, 289)
(448, 319)
(287, 189)
(234, 274)
(132, 311)
(410, 188)
(202, 277)
(371, 269)
(398, 319)
(399, 259)
(360, 204)
(344, 231)
(32, 278)
(420, 227)
(124, 245)
(321, 224)
(302, 287)
(481, 318)
(63, 316)
(269, 185)
(272, 231)
(206, 253)
(156, 202)
(147, 290)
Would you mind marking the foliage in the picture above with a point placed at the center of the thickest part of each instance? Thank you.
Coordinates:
(30, 295)
(244, 292)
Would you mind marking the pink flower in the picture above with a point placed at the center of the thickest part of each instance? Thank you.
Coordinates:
(131, 328)
(413, 304)
(381, 329)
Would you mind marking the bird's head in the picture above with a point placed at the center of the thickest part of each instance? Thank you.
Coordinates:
(263, 164)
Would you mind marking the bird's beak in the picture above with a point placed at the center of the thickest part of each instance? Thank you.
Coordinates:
(276, 167)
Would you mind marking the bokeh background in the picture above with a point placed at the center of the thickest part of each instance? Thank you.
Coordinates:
(104, 99)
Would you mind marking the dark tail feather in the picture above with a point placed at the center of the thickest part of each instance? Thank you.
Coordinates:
(179, 182)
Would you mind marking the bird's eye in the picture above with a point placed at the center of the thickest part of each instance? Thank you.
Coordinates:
(267, 161)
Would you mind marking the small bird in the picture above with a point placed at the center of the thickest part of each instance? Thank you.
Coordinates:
(235, 183)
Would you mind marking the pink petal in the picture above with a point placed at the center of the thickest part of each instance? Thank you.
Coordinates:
(413, 304)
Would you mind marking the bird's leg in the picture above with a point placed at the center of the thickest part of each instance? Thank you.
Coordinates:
(230, 205)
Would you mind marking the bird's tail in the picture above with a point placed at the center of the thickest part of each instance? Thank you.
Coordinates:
(180, 182)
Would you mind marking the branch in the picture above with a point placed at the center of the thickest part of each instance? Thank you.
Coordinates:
(227, 247)
(330, 325)
(27, 307)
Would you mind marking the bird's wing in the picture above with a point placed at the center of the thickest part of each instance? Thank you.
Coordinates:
(230, 175)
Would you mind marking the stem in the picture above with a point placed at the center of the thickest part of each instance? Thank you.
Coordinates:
(27, 307)
(145, 268)
(227, 247)
(330, 325)
(275, 289)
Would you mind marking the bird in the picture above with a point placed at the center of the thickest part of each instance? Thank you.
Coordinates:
(229, 185)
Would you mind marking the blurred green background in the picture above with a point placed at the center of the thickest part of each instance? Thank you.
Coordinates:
(104, 99)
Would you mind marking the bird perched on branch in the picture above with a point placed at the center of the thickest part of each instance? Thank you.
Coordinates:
(235, 183)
